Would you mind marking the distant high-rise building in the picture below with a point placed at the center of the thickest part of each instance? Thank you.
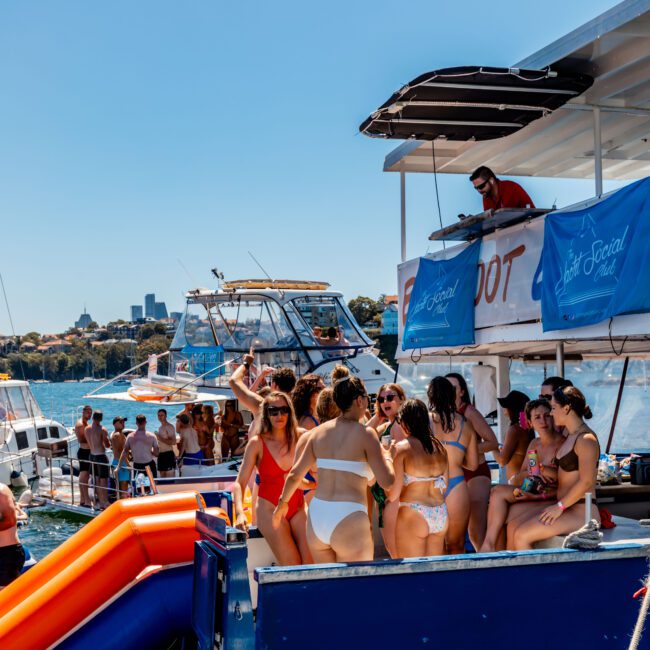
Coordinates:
(136, 313)
(160, 310)
(176, 315)
(150, 305)
(84, 320)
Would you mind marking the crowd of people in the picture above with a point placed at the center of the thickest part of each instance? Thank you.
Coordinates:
(324, 466)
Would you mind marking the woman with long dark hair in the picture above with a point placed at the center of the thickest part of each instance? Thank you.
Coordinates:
(272, 450)
(459, 438)
(421, 473)
(304, 398)
(577, 461)
(479, 481)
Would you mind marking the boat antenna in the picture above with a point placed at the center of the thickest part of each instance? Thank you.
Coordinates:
(218, 275)
(264, 271)
(435, 181)
(11, 323)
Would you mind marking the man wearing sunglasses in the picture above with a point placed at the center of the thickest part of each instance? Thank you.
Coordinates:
(499, 194)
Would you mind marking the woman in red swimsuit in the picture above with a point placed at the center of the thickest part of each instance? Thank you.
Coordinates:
(272, 450)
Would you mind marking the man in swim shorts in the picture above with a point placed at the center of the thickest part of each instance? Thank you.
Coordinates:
(83, 454)
(143, 445)
(97, 438)
(166, 435)
(118, 439)
(12, 554)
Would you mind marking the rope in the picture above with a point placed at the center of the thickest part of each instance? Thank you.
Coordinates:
(587, 537)
(640, 621)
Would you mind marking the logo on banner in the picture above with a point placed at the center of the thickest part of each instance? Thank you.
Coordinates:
(591, 265)
(435, 300)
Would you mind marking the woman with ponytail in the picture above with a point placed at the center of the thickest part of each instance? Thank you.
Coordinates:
(577, 461)
(421, 476)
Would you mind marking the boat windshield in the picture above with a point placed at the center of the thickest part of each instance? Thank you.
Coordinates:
(17, 402)
(261, 323)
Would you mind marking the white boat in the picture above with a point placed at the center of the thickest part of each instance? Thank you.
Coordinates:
(22, 426)
(300, 325)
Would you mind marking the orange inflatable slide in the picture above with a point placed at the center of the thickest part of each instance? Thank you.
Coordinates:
(76, 582)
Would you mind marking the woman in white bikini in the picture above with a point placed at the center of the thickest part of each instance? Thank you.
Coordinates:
(347, 455)
(421, 473)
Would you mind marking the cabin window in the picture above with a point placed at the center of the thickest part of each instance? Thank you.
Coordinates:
(4, 405)
(17, 404)
(32, 405)
(21, 440)
(54, 432)
(41, 432)
(332, 324)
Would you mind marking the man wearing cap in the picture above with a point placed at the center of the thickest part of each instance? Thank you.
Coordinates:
(97, 438)
(118, 440)
(166, 435)
(143, 445)
(518, 436)
(499, 194)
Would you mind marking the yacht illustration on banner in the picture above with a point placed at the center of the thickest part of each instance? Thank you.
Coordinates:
(591, 264)
(434, 299)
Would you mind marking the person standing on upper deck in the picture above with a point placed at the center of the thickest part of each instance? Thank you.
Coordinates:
(499, 194)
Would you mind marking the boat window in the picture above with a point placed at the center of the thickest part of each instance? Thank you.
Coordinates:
(330, 322)
(238, 324)
(5, 411)
(54, 432)
(21, 440)
(41, 432)
(17, 404)
(32, 405)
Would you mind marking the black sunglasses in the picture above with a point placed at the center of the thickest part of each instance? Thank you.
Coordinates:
(482, 185)
(278, 410)
(546, 397)
(388, 398)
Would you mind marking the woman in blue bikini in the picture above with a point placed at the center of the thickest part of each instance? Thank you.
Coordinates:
(459, 438)
(421, 473)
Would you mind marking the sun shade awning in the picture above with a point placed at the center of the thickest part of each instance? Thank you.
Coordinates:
(614, 49)
(472, 103)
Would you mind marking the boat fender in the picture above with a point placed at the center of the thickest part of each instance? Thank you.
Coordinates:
(18, 479)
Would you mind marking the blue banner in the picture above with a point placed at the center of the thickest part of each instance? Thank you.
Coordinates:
(596, 261)
(441, 308)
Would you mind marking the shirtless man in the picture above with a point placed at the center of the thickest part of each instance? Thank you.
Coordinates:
(118, 439)
(83, 454)
(97, 438)
(12, 554)
(166, 435)
(144, 447)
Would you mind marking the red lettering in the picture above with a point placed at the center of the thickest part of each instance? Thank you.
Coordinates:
(507, 259)
(489, 295)
(479, 291)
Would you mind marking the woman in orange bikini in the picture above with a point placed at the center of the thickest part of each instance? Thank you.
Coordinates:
(272, 450)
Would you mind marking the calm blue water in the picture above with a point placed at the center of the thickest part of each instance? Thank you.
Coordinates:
(47, 529)
(64, 401)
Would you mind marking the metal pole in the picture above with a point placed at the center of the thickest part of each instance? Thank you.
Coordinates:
(559, 358)
(598, 152)
(402, 187)
(618, 404)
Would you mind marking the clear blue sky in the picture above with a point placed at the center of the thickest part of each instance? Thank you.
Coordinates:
(136, 134)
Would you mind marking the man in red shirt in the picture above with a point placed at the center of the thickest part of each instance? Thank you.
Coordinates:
(499, 194)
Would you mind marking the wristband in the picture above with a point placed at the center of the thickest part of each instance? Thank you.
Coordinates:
(561, 506)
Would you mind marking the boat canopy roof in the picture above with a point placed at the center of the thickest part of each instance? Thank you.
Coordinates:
(612, 49)
(472, 103)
